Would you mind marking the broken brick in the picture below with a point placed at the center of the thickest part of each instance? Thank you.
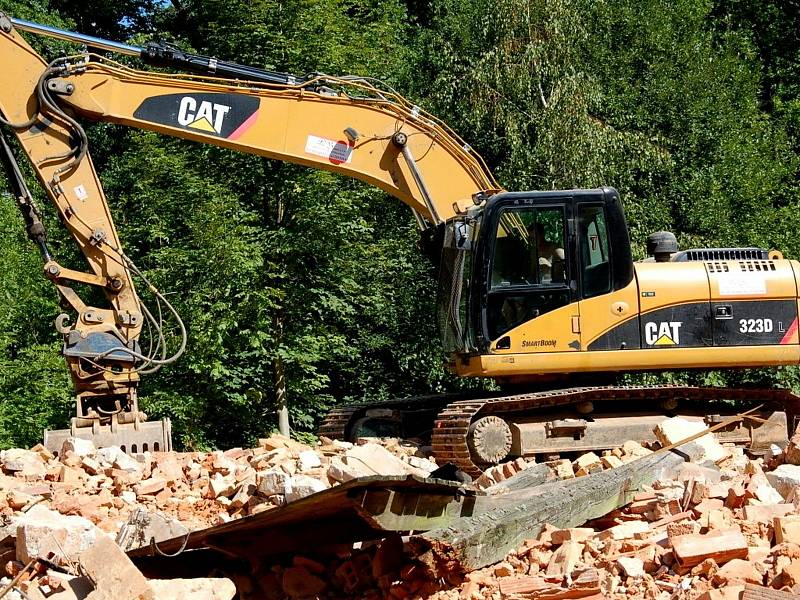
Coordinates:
(721, 546)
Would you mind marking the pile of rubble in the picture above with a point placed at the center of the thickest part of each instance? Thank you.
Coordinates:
(724, 526)
(58, 508)
(198, 489)
(726, 529)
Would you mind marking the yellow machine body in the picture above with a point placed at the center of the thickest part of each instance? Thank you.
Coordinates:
(673, 315)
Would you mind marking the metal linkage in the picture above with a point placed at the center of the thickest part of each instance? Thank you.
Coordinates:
(162, 54)
(71, 36)
(31, 215)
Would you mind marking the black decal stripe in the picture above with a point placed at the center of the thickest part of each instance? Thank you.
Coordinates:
(629, 331)
(706, 324)
(753, 322)
(623, 336)
(164, 110)
(694, 331)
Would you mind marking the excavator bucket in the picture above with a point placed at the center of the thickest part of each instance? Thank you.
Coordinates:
(133, 438)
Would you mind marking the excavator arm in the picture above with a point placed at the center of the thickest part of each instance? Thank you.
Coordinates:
(349, 125)
(101, 344)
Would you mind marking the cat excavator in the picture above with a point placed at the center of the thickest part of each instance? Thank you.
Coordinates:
(537, 290)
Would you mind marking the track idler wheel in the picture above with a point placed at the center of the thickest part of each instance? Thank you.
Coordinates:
(489, 440)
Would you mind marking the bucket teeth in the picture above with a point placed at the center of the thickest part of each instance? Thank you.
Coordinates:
(133, 438)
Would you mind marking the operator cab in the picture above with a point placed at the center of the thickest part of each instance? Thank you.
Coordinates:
(530, 253)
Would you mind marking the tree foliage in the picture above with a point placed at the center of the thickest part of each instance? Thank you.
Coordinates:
(568, 93)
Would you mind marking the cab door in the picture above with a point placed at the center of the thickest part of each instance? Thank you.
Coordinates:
(530, 285)
(609, 318)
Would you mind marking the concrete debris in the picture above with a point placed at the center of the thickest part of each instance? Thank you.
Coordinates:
(676, 429)
(631, 566)
(343, 470)
(302, 486)
(78, 447)
(114, 575)
(273, 482)
(710, 530)
(377, 460)
(307, 460)
(115, 457)
(370, 458)
(785, 478)
(23, 463)
(44, 533)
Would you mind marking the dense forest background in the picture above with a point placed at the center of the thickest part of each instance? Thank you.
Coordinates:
(691, 108)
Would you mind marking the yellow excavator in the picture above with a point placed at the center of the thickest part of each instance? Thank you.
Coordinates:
(538, 290)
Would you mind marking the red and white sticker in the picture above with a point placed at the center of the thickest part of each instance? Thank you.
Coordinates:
(336, 151)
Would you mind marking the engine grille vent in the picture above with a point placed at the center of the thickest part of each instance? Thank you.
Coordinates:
(756, 265)
(717, 267)
(718, 254)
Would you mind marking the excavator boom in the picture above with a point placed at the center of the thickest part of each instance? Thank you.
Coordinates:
(351, 125)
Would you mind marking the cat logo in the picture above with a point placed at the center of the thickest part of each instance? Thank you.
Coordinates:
(207, 116)
(663, 333)
(228, 116)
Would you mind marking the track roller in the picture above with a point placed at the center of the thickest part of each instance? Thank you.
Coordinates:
(489, 440)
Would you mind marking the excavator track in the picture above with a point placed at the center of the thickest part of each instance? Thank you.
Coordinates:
(338, 423)
(450, 436)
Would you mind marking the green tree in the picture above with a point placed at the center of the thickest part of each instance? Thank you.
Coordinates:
(643, 96)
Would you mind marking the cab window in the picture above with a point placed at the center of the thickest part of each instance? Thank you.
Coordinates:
(529, 248)
(528, 268)
(594, 250)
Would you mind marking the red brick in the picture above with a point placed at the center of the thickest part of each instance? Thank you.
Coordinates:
(150, 486)
(707, 505)
(737, 572)
(721, 546)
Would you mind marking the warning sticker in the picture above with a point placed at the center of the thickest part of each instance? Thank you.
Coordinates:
(336, 151)
(80, 192)
(732, 284)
